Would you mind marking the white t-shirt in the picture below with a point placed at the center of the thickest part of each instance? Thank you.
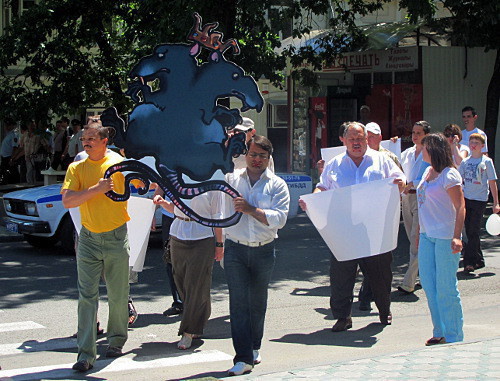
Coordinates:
(466, 134)
(436, 212)
(476, 172)
(208, 205)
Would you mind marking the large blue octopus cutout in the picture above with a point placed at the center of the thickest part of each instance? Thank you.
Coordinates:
(180, 123)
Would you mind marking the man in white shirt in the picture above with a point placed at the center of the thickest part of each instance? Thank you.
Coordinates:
(413, 168)
(249, 249)
(469, 117)
(359, 164)
(9, 146)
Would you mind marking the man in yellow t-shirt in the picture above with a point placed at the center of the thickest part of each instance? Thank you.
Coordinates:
(102, 245)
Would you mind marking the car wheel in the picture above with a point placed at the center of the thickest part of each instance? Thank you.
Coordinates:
(42, 242)
(66, 234)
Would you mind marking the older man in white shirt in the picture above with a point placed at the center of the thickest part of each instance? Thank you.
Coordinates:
(249, 249)
(359, 164)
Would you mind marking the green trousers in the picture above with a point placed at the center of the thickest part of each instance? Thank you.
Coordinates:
(108, 254)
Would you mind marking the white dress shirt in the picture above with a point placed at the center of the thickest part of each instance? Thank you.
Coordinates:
(341, 171)
(269, 193)
(413, 167)
(207, 205)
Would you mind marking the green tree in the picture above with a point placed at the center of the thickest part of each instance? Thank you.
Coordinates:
(73, 54)
(473, 23)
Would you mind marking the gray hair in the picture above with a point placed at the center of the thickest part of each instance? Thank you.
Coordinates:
(355, 125)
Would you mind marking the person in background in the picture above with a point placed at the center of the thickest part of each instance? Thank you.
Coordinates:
(74, 145)
(478, 172)
(247, 127)
(10, 144)
(469, 117)
(413, 167)
(441, 214)
(166, 221)
(364, 114)
(60, 145)
(459, 151)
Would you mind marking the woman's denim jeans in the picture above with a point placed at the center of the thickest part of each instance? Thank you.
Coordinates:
(438, 274)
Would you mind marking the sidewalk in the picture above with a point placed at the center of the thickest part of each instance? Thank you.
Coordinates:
(477, 360)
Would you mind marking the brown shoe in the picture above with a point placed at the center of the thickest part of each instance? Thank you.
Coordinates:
(342, 324)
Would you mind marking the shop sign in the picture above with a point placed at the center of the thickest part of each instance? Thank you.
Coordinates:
(397, 59)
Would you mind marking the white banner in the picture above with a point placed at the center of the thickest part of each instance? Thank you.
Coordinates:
(357, 221)
(329, 153)
(141, 211)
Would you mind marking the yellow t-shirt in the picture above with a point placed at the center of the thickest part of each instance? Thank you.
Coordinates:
(99, 214)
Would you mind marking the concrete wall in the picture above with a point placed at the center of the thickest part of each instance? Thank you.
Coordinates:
(446, 91)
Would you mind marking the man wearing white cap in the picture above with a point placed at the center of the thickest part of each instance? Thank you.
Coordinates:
(374, 138)
(247, 127)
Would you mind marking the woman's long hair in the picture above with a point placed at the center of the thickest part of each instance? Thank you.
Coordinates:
(439, 150)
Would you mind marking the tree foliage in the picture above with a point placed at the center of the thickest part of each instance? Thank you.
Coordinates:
(72, 54)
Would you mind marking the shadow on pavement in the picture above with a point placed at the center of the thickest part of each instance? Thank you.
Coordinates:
(363, 338)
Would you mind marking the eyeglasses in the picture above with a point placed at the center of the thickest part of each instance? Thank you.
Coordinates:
(90, 139)
(263, 156)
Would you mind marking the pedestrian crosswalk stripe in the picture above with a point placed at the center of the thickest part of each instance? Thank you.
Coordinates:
(36, 346)
(19, 326)
(117, 365)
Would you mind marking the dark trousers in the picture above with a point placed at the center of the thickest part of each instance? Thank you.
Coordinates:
(474, 210)
(343, 277)
(10, 171)
(56, 160)
(166, 221)
(248, 273)
(365, 292)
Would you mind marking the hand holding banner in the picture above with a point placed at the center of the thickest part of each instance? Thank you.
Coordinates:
(358, 221)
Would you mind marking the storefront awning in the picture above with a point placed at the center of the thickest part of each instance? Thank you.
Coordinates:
(380, 36)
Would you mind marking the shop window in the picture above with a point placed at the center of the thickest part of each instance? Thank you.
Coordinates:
(362, 80)
(277, 115)
(407, 77)
(384, 78)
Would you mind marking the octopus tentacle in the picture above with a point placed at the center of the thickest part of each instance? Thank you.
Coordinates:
(172, 186)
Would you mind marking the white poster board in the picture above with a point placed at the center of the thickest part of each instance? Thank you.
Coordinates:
(329, 153)
(141, 211)
(357, 221)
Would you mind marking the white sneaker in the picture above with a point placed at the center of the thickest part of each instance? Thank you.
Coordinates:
(256, 357)
(240, 368)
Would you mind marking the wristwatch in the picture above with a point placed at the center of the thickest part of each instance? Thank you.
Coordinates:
(219, 244)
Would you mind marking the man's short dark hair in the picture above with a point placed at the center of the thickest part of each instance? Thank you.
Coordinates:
(469, 108)
(65, 119)
(102, 131)
(262, 142)
(76, 122)
(425, 125)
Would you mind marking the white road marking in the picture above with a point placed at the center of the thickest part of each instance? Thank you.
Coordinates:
(117, 365)
(19, 326)
(35, 346)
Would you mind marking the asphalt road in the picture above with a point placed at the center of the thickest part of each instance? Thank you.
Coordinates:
(38, 300)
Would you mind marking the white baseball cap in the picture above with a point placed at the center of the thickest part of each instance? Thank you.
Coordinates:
(246, 125)
(373, 128)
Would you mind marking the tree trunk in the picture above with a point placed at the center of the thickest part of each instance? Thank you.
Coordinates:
(492, 107)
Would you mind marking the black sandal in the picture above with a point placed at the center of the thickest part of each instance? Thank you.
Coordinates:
(435, 341)
(132, 313)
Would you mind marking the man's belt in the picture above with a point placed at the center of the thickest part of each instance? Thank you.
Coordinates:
(183, 219)
(252, 244)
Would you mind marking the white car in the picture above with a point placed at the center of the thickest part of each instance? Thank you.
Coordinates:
(38, 213)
